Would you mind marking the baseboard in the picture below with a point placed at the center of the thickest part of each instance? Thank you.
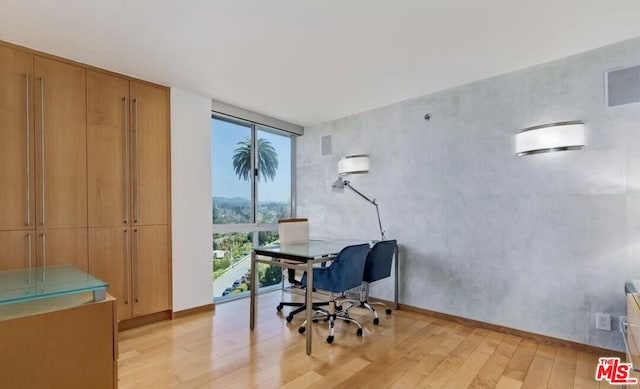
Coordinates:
(143, 320)
(193, 311)
(509, 331)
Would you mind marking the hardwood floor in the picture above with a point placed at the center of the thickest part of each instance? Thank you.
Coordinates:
(217, 350)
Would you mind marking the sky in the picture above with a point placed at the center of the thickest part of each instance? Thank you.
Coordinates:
(224, 140)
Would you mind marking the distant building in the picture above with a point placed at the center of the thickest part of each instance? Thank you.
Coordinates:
(217, 254)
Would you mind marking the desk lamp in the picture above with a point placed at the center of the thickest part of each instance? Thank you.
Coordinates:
(355, 164)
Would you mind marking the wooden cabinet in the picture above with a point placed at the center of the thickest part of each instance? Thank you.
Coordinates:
(60, 135)
(127, 157)
(110, 260)
(149, 154)
(136, 264)
(43, 142)
(42, 161)
(84, 175)
(128, 170)
(63, 246)
(17, 249)
(17, 178)
(108, 150)
(65, 342)
(151, 270)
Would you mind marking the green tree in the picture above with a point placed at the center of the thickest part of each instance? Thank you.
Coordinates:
(272, 275)
(267, 159)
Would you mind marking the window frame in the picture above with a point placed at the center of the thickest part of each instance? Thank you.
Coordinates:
(254, 226)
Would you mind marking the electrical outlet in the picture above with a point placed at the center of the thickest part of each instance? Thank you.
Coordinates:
(603, 321)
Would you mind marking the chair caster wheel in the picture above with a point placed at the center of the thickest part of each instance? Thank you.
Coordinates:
(289, 318)
(301, 330)
(388, 311)
(315, 320)
(359, 332)
(279, 307)
(376, 321)
(339, 308)
(329, 339)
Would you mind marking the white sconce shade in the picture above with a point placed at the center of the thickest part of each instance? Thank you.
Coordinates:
(550, 137)
(353, 164)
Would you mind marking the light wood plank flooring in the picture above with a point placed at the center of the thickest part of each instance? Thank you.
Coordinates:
(217, 350)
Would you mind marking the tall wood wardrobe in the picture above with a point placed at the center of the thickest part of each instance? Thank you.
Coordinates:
(84, 176)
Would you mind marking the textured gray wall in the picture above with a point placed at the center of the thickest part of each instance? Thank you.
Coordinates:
(538, 243)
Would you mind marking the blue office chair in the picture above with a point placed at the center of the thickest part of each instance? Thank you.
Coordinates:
(377, 267)
(344, 273)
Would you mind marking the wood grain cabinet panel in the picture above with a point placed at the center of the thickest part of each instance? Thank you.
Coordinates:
(150, 163)
(63, 246)
(17, 177)
(110, 260)
(108, 148)
(70, 347)
(151, 270)
(61, 144)
(17, 249)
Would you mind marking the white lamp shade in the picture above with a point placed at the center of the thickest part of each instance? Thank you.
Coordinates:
(550, 137)
(353, 164)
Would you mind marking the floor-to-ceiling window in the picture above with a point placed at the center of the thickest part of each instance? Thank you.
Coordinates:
(252, 182)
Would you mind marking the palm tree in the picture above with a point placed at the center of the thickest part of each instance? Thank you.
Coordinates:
(267, 159)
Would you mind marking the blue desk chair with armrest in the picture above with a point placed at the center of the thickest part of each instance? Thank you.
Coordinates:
(344, 273)
(377, 267)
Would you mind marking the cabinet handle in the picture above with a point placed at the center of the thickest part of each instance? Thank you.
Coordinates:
(29, 254)
(135, 232)
(44, 256)
(125, 127)
(42, 146)
(26, 86)
(137, 188)
(126, 265)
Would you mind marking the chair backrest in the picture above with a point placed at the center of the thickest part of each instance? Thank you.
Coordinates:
(347, 268)
(293, 231)
(379, 260)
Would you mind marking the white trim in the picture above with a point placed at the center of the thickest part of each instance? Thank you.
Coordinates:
(218, 107)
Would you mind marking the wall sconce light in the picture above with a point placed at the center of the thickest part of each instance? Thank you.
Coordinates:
(353, 164)
(550, 137)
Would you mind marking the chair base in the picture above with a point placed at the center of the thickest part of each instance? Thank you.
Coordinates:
(300, 307)
(331, 315)
(366, 304)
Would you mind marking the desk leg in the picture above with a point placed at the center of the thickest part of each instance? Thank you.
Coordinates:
(397, 259)
(309, 296)
(254, 289)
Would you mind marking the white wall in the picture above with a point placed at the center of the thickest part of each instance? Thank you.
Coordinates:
(191, 199)
(539, 243)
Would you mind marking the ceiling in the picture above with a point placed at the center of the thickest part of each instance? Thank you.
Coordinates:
(308, 62)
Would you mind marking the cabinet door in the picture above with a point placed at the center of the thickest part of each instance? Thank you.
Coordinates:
(17, 249)
(63, 246)
(151, 271)
(61, 144)
(17, 195)
(149, 154)
(110, 261)
(107, 149)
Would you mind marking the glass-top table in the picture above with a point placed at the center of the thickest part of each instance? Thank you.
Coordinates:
(312, 249)
(302, 256)
(23, 285)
